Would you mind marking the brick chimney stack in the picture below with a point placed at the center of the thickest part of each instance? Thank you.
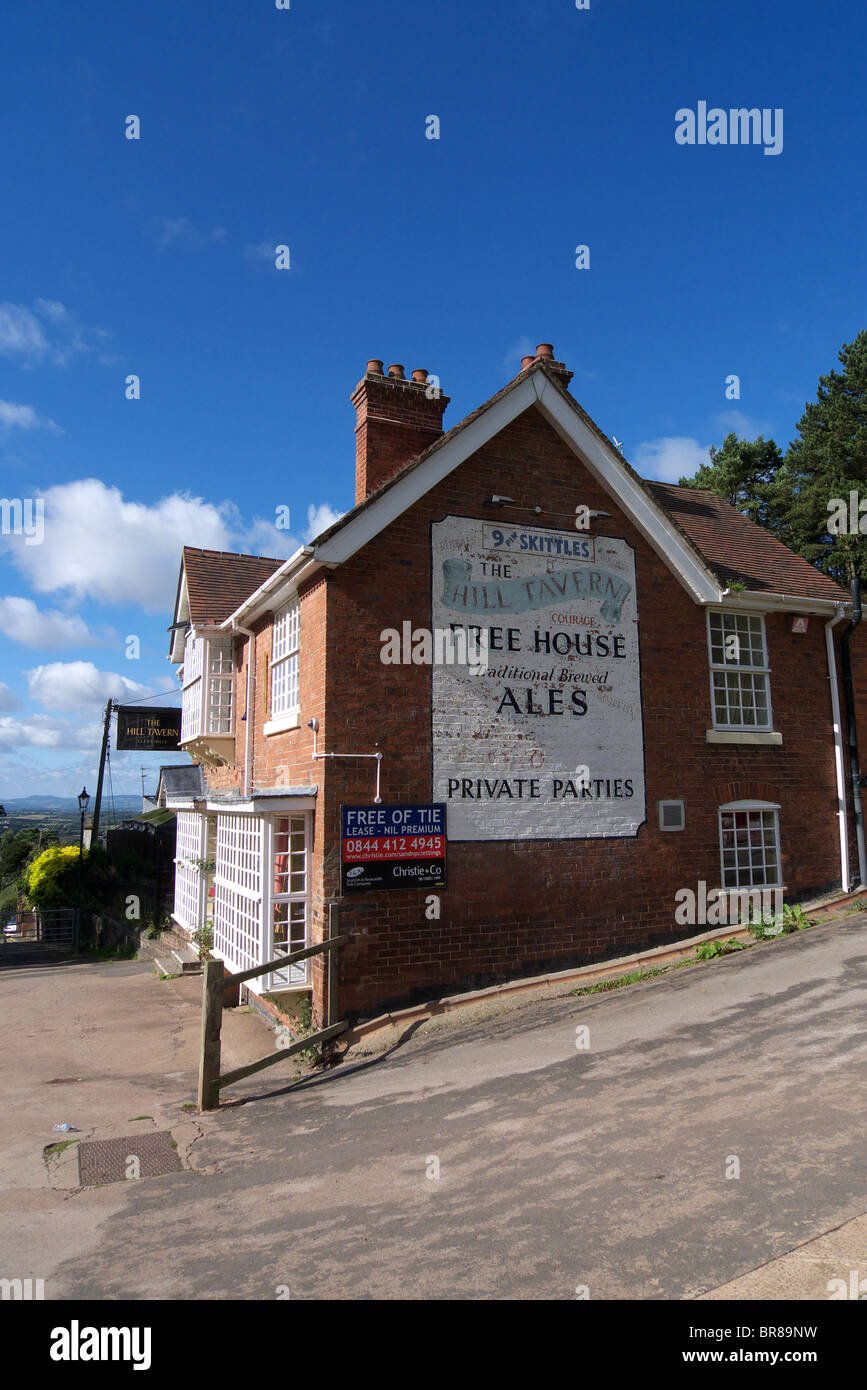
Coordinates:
(396, 421)
(545, 353)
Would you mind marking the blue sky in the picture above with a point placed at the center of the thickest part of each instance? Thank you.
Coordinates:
(307, 127)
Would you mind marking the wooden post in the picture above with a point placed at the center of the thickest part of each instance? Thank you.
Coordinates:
(212, 1021)
(94, 825)
(333, 930)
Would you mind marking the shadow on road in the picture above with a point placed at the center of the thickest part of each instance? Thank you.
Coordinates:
(337, 1073)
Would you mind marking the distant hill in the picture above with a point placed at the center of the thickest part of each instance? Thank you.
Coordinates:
(65, 805)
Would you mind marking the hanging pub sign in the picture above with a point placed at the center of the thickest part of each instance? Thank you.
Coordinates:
(157, 729)
(393, 847)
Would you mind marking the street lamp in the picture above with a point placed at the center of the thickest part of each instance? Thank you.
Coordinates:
(83, 800)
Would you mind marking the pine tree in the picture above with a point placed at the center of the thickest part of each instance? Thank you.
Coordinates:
(743, 471)
(824, 465)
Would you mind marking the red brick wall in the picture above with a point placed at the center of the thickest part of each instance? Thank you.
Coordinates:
(396, 421)
(521, 907)
(285, 759)
(513, 908)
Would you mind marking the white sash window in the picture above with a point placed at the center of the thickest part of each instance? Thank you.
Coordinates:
(208, 687)
(285, 648)
(739, 671)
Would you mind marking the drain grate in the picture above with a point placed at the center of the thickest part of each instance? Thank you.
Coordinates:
(123, 1160)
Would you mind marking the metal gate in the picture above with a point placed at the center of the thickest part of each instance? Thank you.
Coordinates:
(39, 932)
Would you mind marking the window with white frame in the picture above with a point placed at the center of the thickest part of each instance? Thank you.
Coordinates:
(750, 844)
(739, 671)
(187, 875)
(221, 685)
(208, 686)
(238, 891)
(289, 910)
(284, 660)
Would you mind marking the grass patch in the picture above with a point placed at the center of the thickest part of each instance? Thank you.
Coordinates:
(630, 977)
(794, 919)
(108, 953)
(133, 1118)
(189, 1105)
(711, 950)
(51, 1149)
(169, 977)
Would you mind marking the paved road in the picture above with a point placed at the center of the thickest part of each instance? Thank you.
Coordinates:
(558, 1167)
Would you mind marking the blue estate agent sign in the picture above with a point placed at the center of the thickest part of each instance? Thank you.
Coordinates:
(393, 847)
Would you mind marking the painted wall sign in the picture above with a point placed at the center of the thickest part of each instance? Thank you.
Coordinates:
(153, 728)
(546, 741)
(393, 847)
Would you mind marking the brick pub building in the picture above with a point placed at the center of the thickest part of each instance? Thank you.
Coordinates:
(660, 705)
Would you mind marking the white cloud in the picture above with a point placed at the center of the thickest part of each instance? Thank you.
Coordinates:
(21, 333)
(522, 348)
(41, 731)
(99, 545)
(68, 685)
(52, 309)
(319, 519)
(264, 538)
(742, 425)
(263, 251)
(182, 232)
(21, 621)
(670, 458)
(47, 332)
(24, 417)
(8, 698)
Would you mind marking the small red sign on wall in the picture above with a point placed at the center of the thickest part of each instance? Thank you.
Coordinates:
(799, 624)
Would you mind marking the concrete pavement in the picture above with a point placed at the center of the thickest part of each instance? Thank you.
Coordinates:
(559, 1167)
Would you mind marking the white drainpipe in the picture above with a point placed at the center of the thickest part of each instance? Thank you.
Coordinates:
(842, 819)
(251, 668)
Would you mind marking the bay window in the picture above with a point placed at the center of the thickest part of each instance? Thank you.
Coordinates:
(208, 687)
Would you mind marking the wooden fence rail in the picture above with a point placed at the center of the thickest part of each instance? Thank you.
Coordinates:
(214, 985)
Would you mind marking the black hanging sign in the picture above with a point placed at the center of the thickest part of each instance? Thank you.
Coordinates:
(155, 729)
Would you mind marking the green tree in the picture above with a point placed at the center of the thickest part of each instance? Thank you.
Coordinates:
(744, 472)
(828, 461)
(15, 850)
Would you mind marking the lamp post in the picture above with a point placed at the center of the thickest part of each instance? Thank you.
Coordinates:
(83, 800)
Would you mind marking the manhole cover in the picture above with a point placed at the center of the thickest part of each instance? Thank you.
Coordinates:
(124, 1160)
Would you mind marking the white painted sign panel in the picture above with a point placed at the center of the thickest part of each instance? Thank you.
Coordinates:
(543, 739)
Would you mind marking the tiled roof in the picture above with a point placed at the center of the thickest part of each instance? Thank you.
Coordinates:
(218, 581)
(732, 546)
(729, 544)
(736, 548)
